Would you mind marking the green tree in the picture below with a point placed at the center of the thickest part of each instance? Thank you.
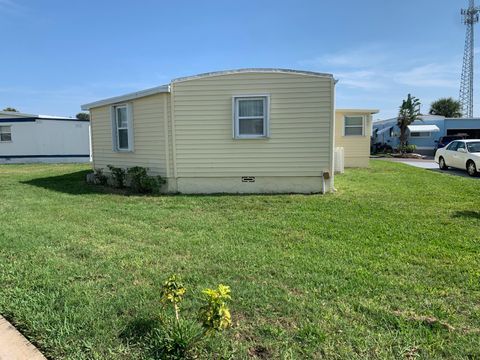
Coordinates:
(83, 116)
(447, 107)
(409, 112)
(10, 109)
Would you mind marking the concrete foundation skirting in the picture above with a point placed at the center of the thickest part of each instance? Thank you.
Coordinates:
(14, 346)
(253, 185)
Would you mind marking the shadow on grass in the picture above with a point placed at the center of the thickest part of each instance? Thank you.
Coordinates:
(138, 329)
(467, 214)
(72, 183)
(75, 184)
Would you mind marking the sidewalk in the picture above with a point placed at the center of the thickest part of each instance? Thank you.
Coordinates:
(14, 346)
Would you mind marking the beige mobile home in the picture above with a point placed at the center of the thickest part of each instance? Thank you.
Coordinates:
(353, 129)
(240, 131)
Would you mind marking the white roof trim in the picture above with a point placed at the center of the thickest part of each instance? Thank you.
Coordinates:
(358, 111)
(24, 115)
(252, 70)
(423, 128)
(127, 97)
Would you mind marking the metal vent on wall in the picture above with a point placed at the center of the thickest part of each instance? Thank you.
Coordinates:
(248, 179)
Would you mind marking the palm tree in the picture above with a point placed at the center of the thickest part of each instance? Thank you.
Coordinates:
(447, 107)
(409, 112)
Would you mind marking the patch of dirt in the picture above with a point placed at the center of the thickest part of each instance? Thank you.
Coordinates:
(260, 352)
(412, 353)
(430, 321)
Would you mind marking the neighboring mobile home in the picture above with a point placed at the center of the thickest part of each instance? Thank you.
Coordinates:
(425, 132)
(353, 131)
(27, 138)
(239, 131)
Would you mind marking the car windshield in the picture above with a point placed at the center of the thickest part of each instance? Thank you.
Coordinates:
(473, 147)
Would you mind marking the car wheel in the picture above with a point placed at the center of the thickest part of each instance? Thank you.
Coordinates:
(471, 168)
(441, 164)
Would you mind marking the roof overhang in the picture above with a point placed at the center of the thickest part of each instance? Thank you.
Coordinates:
(423, 128)
(253, 70)
(127, 97)
(358, 111)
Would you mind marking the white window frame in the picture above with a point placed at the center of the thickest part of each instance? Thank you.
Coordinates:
(353, 126)
(6, 132)
(236, 119)
(422, 134)
(129, 128)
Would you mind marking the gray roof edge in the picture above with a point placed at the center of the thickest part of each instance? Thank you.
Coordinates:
(127, 97)
(252, 70)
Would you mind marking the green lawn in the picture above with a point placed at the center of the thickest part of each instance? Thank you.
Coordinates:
(387, 267)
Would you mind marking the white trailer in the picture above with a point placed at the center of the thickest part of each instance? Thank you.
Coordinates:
(27, 138)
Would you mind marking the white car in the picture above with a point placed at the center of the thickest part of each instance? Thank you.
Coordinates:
(460, 154)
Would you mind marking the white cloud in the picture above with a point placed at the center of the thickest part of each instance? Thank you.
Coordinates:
(429, 75)
(380, 76)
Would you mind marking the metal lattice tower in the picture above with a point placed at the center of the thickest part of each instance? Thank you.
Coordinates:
(470, 18)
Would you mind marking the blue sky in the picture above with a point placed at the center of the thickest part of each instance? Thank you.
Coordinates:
(57, 55)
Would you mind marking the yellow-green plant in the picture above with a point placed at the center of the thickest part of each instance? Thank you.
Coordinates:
(215, 314)
(172, 293)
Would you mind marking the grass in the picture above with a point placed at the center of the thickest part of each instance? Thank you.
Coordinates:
(387, 267)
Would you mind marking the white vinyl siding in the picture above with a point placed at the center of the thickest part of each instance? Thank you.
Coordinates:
(354, 126)
(5, 133)
(250, 118)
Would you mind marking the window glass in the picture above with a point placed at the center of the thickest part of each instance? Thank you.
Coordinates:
(474, 147)
(122, 128)
(251, 126)
(5, 133)
(353, 131)
(353, 125)
(250, 107)
(250, 118)
(420, 134)
(461, 145)
(353, 121)
(453, 146)
(122, 121)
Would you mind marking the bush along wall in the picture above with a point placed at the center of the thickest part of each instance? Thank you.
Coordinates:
(135, 179)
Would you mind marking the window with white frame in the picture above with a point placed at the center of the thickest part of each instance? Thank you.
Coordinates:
(354, 126)
(122, 123)
(420, 134)
(250, 117)
(5, 133)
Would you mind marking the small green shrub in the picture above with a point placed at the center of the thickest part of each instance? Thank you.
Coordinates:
(179, 338)
(176, 339)
(172, 293)
(407, 149)
(118, 176)
(141, 182)
(99, 177)
(215, 315)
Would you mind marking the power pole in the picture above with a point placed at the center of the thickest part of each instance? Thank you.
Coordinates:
(470, 18)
